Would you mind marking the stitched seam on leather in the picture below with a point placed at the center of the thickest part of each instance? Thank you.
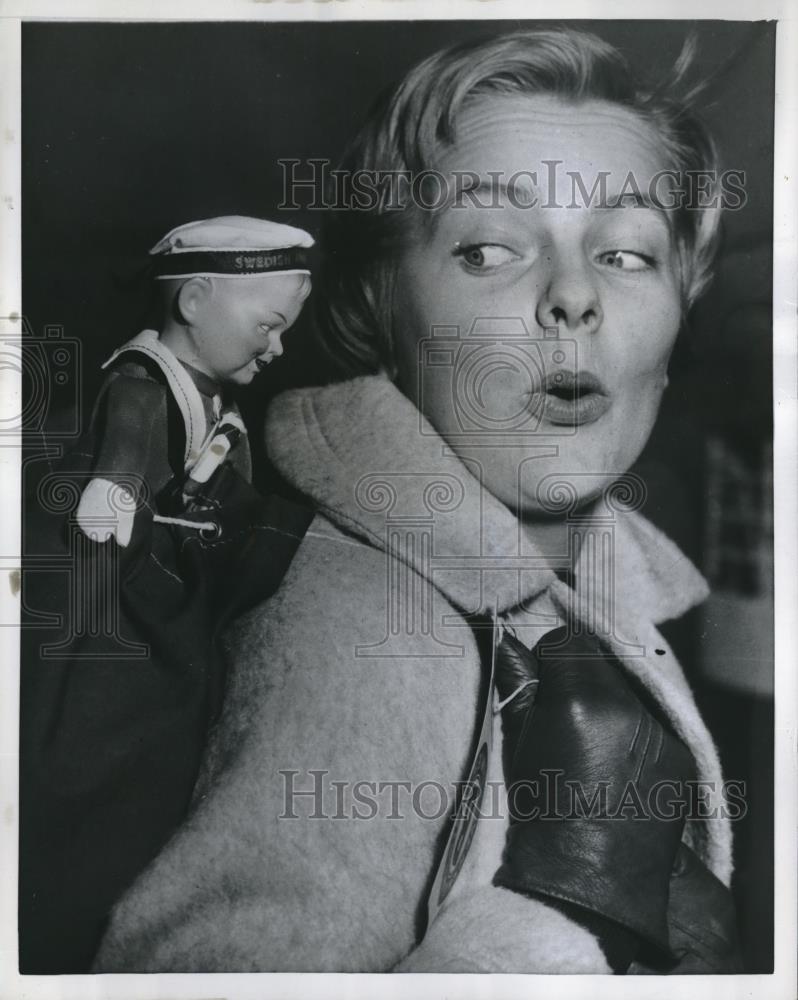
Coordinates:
(636, 734)
(650, 725)
(709, 942)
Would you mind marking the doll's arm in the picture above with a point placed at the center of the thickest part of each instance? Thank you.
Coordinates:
(130, 454)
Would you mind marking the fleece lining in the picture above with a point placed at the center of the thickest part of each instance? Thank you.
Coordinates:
(323, 678)
(328, 443)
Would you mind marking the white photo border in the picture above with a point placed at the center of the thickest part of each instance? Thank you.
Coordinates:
(779, 986)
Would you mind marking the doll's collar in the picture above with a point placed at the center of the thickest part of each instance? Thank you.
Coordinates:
(206, 385)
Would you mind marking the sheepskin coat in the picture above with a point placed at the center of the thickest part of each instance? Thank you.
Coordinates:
(362, 669)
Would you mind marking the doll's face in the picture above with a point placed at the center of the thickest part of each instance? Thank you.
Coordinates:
(237, 326)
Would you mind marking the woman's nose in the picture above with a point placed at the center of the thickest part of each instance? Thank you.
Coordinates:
(570, 296)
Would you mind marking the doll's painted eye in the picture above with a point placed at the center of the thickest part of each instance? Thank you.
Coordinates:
(276, 322)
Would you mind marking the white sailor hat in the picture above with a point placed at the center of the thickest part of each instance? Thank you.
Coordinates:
(231, 246)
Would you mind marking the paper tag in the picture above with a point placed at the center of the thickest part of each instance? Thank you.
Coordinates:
(465, 821)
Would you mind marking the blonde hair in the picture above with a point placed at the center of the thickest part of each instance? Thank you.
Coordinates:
(408, 128)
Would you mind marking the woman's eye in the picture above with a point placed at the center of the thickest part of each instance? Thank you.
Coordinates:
(485, 256)
(627, 260)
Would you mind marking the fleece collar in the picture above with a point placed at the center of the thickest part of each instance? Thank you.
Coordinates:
(365, 455)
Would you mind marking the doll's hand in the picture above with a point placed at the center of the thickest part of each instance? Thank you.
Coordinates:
(106, 510)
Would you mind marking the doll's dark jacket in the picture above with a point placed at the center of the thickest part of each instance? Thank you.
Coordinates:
(122, 673)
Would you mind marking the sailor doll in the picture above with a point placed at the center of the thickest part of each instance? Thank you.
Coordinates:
(169, 540)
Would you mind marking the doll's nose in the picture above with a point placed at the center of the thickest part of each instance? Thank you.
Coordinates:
(275, 344)
(274, 349)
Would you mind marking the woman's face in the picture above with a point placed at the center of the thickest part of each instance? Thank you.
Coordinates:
(533, 326)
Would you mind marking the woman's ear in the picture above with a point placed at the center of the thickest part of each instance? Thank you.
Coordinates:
(191, 298)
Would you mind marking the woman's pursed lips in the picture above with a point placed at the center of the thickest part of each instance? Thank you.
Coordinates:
(569, 398)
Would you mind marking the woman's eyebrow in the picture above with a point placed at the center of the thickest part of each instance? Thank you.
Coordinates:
(629, 199)
(483, 195)
(519, 196)
(637, 199)
(467, 194)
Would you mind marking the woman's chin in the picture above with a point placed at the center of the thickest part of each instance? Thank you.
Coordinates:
(559, 497)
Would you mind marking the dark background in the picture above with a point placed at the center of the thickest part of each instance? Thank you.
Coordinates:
(130, 129)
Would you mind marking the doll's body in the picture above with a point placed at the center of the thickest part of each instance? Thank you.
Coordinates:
(168, 543)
